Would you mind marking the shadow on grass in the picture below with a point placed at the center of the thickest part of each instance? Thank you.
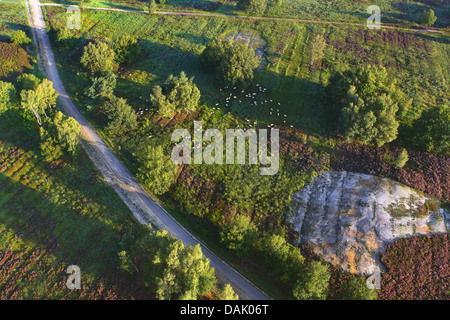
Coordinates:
(65, 225)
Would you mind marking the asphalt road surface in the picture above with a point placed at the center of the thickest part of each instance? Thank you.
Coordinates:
(142, 205)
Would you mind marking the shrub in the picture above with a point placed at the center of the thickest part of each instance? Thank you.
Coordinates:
(402, 159)
(98, 58)
(19, 37)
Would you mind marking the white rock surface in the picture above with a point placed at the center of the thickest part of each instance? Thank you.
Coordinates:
(349, 218)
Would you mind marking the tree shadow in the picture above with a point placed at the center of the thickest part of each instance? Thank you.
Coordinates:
(439, 39)
(296, 101)
(66, 234)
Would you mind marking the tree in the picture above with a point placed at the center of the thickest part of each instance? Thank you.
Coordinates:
(19, 37)
(98, 58)
(7, 95)
(366, 102)
(431, 131)
(59, 136)
(356, 289)
(27, 81)
(126, 48)
(63, 34)
(156, 170)
(182, 272)
(237, 67)
(284, 258)
(402, 159)
(125, 264)
(195, 273)
(239, 234)
(47, 94)
(233, 62)
(175, 95)
(253, 7)
(119, 115)
(427, 18)
(227, 293)
(40, 99)
(153, 6)
(257, 7)
(313, 285)
(102, 87)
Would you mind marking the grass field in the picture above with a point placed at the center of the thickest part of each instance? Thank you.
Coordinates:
(420, 62)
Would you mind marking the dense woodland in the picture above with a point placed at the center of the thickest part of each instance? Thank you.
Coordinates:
(343, 98)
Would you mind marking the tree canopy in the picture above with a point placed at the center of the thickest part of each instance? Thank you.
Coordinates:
(39, 99)
(314, 282)
(59, 136)
(27, 81)
(99, 58)
(234, 63)
(253, 7)
(7, 95)
(173, 270)
(19, 37)
(367, 102)
(431, 131)
(102, 87)
(178, 93)
(156, 169)
(127, 49)
(239, 234)
(427, 18)
(356, 289)
(120, 116)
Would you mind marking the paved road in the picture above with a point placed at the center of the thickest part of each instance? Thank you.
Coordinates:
(219, 15)
(143, 206)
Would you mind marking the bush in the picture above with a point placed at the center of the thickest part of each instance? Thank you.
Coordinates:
(98, 58)
(313, 284)
(239, 234)
(19, 37)
(175, 95)
(427, 18)
(367, 102)
(402, 159)
(8, 95)
(119, 115)
(356, 289)
(126, 48)
(234, 63)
